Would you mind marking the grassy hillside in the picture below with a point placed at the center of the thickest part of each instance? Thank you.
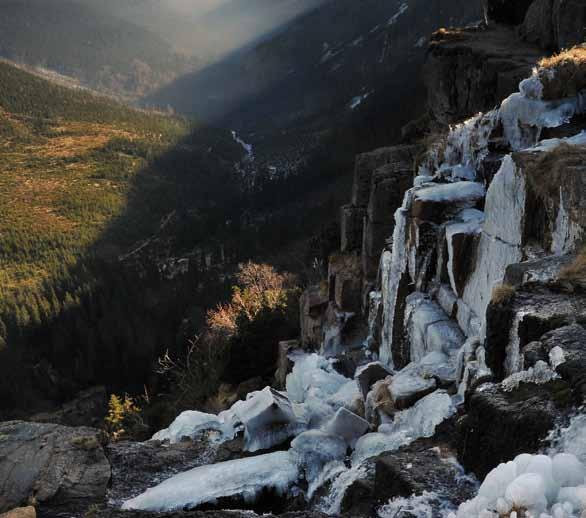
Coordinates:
(100, 50)
(83, 180)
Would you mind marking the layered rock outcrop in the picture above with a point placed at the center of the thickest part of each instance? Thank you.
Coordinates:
(51, 466)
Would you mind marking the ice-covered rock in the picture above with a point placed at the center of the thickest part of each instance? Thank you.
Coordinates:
(192, 423)
(408, 425)
(315, 449)
(347, 425)
(533, 483)
(409, 386)
(268, 419)
(242, 479)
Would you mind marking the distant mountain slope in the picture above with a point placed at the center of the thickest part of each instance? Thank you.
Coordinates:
(207, 29)
(332, 57)
(83, 181)
(100, 50)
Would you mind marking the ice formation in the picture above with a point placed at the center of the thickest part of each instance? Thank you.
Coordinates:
(543, 486)
(268, 419)
(242, 478)
(408, 425)
(416, 506)
(191, 424)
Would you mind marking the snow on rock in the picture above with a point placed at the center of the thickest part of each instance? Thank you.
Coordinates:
(191, 424)
(538, 374)
(242, 479)
(347, 425)
(408, 425)
(402, 10)
(457, 192)
(268, 419)
(531, 483)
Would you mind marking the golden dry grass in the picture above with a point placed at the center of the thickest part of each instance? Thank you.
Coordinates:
(502, 294)
(564, 74)
(576, 271)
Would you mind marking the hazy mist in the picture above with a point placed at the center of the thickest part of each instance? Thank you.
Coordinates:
(207, 29)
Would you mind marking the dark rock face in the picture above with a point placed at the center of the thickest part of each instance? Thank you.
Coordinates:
(554, 24)
(313, 304)
(369, 375)
(511, 12)
(345, 277)
(500, 425)
(54, 465)
(472, 70)
(543, 310)
(414, 470)
(88, 408)
(388, 186)
(572, 339)
(538, 24)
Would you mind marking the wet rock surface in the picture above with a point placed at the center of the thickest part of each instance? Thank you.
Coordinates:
(53, 465)
(500, 425)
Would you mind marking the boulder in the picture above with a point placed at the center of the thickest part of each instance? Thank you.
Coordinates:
(367, 375)
(347, 425)
(268, 419)
(55, 466)
(409, 386)
(500, 425)
(21, 512)
(533, 311)
(416, 469)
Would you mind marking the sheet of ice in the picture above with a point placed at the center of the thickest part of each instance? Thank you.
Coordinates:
(533, 483)
(315, 449)
(566, 233)
(191, 424)
(418, 421)
(570, 437)
(550, 144)
(393, 267)
(556, 357)
(268, 419)
(501, 238)
(332, 503)
(242, 478)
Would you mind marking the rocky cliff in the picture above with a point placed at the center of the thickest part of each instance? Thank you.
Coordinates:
(447, 344)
